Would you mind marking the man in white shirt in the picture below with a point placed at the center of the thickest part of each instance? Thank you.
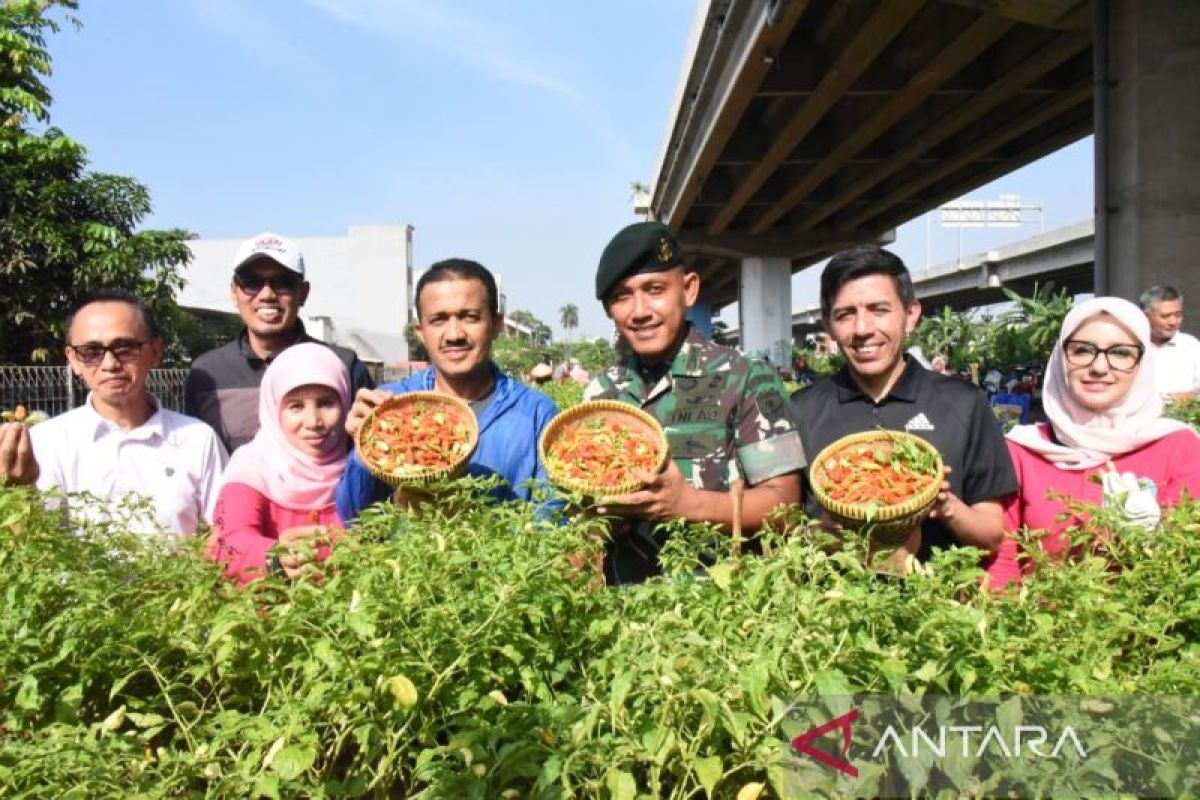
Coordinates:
(1176, 354)
(120, 442)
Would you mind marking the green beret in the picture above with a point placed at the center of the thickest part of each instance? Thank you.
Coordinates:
(637, 248)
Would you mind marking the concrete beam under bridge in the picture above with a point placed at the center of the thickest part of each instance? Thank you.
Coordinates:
(1063, 256)
(1148, 148)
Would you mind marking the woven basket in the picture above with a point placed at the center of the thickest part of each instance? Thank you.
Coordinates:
(418, 476)
(607, 410)
(889, 525)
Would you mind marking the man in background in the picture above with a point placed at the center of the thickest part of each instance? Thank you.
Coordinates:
(268, 290)
(1176, 354)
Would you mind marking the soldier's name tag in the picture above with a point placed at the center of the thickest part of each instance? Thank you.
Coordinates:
(691, 445)
(699, 413)
(696, 401)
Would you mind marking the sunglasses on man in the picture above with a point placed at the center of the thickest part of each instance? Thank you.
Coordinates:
(123, 350)
(281, 283)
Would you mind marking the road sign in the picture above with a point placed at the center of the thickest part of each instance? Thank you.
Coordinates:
(1002, 213)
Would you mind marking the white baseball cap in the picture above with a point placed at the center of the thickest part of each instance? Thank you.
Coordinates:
(283, 252)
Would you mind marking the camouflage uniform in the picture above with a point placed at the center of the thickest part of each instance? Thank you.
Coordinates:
(725, 416)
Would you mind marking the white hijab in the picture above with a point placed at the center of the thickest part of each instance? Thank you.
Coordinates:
(1091, 438)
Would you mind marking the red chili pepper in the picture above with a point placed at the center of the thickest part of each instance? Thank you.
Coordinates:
(606, 454)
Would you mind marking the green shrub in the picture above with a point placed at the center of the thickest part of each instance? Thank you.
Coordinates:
(462, 656)
(564, 394)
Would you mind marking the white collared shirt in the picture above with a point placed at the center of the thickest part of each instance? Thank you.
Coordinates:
(1177, 364)
(174, 460)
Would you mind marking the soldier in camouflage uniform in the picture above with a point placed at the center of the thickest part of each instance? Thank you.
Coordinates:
(725, 415)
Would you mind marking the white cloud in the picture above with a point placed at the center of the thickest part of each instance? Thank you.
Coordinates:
(432, 24)
(469, 41)
(256, 33)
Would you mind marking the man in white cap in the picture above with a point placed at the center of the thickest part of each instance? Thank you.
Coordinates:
(268, 290)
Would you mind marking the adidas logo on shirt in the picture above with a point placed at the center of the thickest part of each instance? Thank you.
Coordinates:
(919, 423)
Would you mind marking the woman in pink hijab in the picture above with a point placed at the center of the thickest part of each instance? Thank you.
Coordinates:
(1106, 441)
(278, 488)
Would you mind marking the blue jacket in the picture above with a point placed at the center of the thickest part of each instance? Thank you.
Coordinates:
(508, 437)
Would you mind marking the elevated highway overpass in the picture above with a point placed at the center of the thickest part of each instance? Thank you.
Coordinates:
(801, 127)
(1065, 256)
(805, 126)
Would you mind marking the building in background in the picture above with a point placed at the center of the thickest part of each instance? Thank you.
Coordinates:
(361, 294)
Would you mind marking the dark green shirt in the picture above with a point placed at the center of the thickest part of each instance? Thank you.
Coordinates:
(725, 417)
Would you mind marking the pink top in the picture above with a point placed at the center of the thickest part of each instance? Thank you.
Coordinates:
(270, 463)
(1172, 462)
(247, 525)
(1086, 438)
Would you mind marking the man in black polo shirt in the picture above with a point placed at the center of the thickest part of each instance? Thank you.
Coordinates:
(268, 290)
(869, 307)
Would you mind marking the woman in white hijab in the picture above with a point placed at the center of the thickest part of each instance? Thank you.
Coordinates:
(1105, 425)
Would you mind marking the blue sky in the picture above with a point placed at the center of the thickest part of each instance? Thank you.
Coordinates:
(508, 132)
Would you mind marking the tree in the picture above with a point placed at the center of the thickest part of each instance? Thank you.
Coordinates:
(568, 315)
(595, 355)
(514, 356)
(416, 347)
(721, 332)
(539, 330)
(64, 230)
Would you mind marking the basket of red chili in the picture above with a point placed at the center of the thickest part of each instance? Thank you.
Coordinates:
(417, 438)
(597, 448)
(884, 481)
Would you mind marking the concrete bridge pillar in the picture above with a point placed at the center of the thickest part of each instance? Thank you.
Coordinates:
(765, 309)
(1148, 149)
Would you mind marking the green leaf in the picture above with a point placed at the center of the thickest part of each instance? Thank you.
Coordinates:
(966, 676)
(709, 702)
(66, 708)
(621, 785)
(361, 624)
(750, 791)
(709, 771)
(267, 785)
(113, 721)
(1008, 717)
(753, 681)
(27, 695)
(894, 672)
(293, 760)
(915, 769)
(721, 574)
(960, 768)
(146, 720)
(620, 689)
(834, 690)
(831, 682)
(928, 671)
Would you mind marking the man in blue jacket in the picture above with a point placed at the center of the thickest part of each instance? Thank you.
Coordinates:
(458, 318)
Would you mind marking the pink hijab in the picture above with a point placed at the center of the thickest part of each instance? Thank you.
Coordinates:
(268, 463)
(1091, 438)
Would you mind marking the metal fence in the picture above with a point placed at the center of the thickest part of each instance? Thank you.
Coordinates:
(391, 374)
(54, 390)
